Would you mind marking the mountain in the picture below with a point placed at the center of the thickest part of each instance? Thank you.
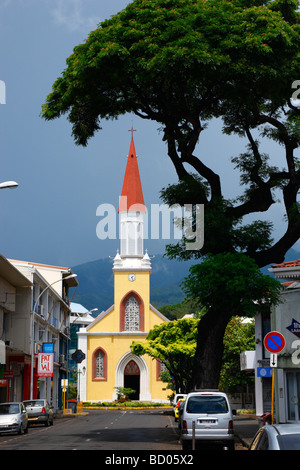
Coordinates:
(96, 282)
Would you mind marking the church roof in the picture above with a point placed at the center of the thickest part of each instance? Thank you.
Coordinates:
(132, 194)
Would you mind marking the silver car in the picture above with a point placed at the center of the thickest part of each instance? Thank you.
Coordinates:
(207, 418)
(277, 437)
(13, 417)
(39, 412)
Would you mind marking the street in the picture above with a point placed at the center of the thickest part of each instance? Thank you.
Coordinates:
(136, 430)
(101, 430)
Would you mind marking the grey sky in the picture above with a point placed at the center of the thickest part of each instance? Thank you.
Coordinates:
(51, 217)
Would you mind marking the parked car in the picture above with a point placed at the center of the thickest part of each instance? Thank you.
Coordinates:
(180, 409)
(177, 408)
(176, 398)
(212, 417)
(13, 417)
(39, 412)
(277, 437)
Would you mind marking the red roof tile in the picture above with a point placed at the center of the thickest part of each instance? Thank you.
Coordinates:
(287, 264)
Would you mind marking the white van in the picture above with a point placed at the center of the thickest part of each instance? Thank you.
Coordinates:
(212, 417)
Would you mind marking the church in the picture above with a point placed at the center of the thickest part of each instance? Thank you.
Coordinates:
(109, 362)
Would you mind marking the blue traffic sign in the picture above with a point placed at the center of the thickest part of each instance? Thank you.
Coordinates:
(264, 372)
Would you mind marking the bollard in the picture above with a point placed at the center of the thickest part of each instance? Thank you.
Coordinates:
(193, 442)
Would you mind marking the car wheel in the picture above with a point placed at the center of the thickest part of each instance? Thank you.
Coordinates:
(26, 429)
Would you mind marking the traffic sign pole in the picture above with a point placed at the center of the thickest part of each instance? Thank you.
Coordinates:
(272, 399)
(274, 342)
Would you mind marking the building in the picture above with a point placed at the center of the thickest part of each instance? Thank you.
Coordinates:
(80, 318)
(285, 319)
(42, 320)
(109, 363)
(15, 289)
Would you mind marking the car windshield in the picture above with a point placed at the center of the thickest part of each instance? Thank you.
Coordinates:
(9, 409)
(34, 403)
(207, 404)
(289, 441)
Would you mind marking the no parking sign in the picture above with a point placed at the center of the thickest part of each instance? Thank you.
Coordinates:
(274, 342)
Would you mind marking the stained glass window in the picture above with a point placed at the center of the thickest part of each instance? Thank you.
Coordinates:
(132, 368)
(132, 315)
(100, 364)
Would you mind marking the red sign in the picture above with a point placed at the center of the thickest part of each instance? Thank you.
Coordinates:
(274, 342)
(45, 364)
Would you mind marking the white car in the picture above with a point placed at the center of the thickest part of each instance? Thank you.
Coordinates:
(13, 417)
(39, 412)
(277, 437)
(207, 417)
(176, 398)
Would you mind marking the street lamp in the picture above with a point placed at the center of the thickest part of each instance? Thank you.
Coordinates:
(8, 184)
(32, 328)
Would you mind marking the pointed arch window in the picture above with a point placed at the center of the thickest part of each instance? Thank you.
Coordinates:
(99, 363)
(132, 313)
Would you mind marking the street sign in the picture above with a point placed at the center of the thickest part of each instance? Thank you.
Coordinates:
(48, 348)
(264, 372)
(45, 364)
(64, 383)
(78, 356)
(274, 342)
(273, 360)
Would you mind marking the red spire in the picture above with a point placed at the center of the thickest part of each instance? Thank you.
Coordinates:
(132, 195)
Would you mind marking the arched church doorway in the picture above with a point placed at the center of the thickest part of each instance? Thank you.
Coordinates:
(132, 379)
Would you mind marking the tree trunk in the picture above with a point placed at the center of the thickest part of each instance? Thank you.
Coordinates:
(209, 351)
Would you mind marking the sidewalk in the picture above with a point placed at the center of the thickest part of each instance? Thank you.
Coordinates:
(245, 428)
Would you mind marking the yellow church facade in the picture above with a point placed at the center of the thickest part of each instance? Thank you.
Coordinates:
(109, 362)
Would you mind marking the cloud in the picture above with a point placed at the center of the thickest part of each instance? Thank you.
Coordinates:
(70, 14)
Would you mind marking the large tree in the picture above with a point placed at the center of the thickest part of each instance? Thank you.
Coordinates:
(182, 63)
(227, 285)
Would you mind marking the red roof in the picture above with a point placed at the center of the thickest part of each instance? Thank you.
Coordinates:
(132, 194)
(287, 264)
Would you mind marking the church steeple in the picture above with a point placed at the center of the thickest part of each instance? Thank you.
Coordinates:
(132, 212)
(132, 194)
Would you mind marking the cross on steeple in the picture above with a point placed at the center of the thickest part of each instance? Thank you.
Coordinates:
(132, 131)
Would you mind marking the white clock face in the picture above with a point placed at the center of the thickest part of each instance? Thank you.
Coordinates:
(131, 277)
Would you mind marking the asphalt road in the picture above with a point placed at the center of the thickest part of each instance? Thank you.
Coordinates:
(101, 430)
(104, 430)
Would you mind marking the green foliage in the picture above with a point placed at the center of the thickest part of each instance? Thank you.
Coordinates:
(181, 63)
(239, 336)
(174, 344)
(124, 392)
(231, 283)
(175, 57)
(177, 311)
